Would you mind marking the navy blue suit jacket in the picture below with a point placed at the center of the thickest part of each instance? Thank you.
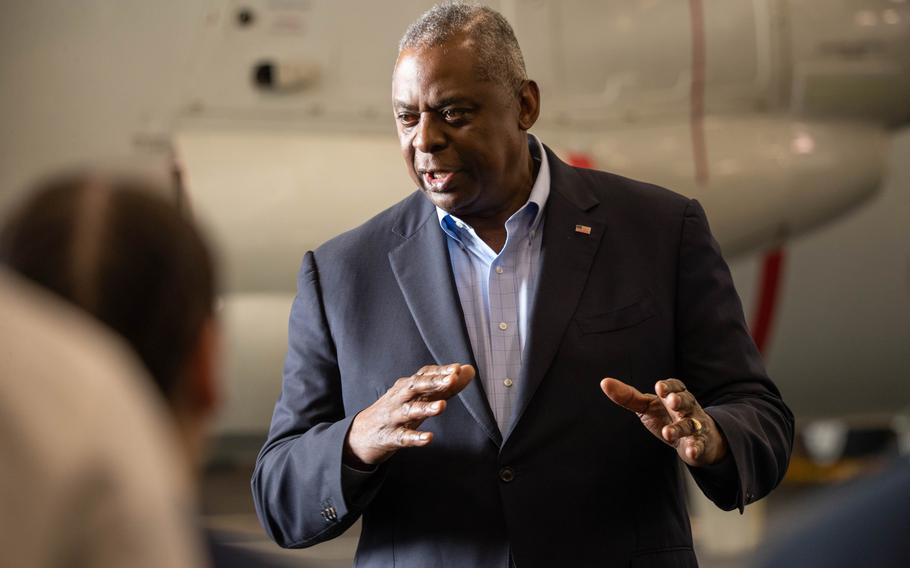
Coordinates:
(645, 296)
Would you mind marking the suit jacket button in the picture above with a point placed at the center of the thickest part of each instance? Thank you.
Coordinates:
(506, 474)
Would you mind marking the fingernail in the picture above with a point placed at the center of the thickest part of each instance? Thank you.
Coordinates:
(424, 436)
(436, 405)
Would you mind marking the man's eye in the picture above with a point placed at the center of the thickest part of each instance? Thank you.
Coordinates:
(407, 119)
(453, 115)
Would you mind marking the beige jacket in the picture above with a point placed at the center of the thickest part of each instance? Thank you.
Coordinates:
(90, 473)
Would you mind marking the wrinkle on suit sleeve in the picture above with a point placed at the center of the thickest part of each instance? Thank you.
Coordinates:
(722, 367)
(298, 485)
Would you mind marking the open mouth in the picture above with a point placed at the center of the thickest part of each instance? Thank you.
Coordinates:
(437, 180)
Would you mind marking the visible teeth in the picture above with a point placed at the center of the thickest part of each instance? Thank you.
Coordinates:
(438, 175)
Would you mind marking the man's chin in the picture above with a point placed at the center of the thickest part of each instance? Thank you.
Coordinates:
(449, 201)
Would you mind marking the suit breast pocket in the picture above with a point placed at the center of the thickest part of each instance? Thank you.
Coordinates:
(620, 318)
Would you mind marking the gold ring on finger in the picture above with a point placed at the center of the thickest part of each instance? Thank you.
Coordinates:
(697, 424)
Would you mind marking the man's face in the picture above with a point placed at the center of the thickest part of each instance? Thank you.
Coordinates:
(462, 138)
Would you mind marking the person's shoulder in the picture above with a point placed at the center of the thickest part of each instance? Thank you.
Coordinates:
(849, 525)
(64, 365)
(627, 204)
(620, 194)
(373, 239)
(633, 194)
(60, 367)
(45, 334)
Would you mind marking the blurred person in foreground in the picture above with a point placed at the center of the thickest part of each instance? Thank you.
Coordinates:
(89, 472)
(864, 522)
(446, 361)
(114, 247)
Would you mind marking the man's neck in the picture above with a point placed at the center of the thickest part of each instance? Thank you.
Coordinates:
(492, 228)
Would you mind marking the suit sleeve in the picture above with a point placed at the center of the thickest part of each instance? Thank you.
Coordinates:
(299, 484)
(722, 367)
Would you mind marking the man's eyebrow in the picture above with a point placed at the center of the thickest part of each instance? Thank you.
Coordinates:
(450, 101)
(401, 105)
(446, 102)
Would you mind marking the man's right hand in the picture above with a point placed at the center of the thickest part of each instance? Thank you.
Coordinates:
(391, 422)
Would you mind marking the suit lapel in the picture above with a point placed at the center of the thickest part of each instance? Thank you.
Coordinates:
(567, 253)
(423, 270)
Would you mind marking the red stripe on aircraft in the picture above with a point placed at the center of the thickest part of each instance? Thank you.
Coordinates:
(580, 160)
(771, 275)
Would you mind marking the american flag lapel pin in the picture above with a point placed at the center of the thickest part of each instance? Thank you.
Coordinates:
(583, 229)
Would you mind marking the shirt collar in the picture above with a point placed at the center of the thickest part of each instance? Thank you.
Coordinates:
(540, 192)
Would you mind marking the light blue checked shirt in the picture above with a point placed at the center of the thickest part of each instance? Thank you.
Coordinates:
(497, 290)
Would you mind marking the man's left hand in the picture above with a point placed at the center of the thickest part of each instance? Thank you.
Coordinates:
(674, 416)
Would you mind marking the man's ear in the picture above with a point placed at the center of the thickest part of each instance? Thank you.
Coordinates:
(528, 105)
(203, 388)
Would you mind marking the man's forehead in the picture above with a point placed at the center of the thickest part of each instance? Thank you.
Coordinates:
(438, 71)
(454, 55)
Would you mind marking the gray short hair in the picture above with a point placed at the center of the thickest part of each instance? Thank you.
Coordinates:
(498, 54)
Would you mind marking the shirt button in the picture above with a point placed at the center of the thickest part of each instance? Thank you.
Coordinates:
(498, 270)
(508, 382)
(503, 326)
(506, 474)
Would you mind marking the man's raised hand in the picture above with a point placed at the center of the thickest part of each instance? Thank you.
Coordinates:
(674, 416)
(391, 422)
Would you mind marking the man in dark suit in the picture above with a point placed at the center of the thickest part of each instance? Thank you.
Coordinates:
(512, 284)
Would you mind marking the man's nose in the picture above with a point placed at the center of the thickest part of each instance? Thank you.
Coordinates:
(429, 136)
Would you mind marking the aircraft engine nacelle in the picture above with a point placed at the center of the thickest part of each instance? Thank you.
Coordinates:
(768, 178)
